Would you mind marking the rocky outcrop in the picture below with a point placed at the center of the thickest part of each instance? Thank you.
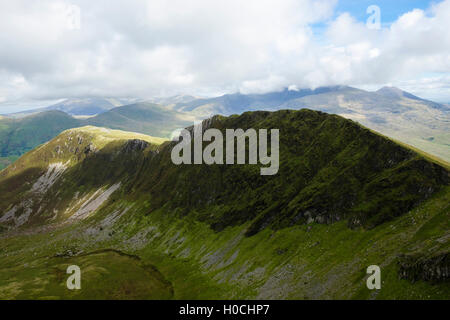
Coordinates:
(419, 267)
(135, 145)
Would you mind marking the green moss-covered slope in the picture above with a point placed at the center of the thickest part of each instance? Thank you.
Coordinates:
(331, 169)
(18, 136)
(343, 199)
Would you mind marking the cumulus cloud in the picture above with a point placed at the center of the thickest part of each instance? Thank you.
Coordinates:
(158, 47)
(415, 44)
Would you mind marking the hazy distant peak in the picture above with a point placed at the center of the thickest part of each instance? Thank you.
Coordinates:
(394, 92)
(181, 98)
(90, 106)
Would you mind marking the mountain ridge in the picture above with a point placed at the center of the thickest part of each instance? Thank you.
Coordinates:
(344, 198)
(79, 106)
(314, 126)
(392, 112)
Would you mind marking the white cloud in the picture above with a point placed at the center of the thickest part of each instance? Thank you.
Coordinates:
(159, 47)
(414, 45)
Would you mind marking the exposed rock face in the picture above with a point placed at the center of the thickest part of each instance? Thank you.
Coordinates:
(206, 124)
(135, 145)
(94, 202)
(75, 158)
(54, 171)
(434, 269)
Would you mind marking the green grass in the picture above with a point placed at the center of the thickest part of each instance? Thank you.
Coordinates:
(105, 275)
(225, 231)
(6, 161)
(18, 136)
(300, 262)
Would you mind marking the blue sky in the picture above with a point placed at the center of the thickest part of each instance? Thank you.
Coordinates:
(390, 9)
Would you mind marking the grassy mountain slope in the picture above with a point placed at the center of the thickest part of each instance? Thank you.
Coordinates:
(395, 113)
(18, 136)
(330, 169)
(142, 117)
(21, 135)
(345, 198)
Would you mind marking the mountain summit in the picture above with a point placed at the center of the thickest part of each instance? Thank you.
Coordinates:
(394, 92)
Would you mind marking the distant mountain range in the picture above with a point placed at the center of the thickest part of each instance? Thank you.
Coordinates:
(22, 134)
(144, 117)
(81, 107)
(237, 103)
(395, 113)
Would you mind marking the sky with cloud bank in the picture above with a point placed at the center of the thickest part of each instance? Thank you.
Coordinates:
(55, 49)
